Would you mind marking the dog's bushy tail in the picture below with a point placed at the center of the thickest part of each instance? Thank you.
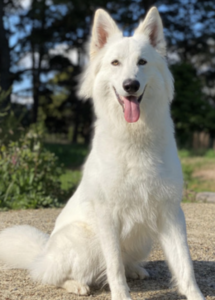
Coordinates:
(20, 245)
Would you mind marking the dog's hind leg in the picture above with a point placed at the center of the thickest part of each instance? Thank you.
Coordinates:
(72, 259)
(174, 242)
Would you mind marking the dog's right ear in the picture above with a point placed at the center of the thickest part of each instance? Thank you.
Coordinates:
(152, 27)
(103, 28)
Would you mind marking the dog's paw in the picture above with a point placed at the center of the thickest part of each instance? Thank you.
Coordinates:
(196, 295)
(120, 296)
(76, 287)
(136, 271)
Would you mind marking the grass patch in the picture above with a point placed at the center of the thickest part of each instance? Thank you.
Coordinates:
(72, 156)
(183, 153)
(199, 172)
(70, 178)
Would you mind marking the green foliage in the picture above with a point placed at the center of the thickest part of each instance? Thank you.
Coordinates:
(70, 178)
(187, 172)
(72, 156)
(10, 128)
(195, 169)
(29, 173)
(188, 103)
(62, 111)
(185, 153)
(189, 108)
(210, 153)
(44, 25)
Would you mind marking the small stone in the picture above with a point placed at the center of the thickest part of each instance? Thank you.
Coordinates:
(208, 197)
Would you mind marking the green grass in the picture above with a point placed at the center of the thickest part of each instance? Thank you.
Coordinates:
(70, 178)
(72, 156)
(183, 153)
(193, 166)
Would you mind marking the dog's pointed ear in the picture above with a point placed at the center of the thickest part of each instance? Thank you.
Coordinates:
(103, 28)
(153, 28)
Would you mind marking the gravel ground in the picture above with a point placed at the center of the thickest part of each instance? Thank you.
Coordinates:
(17, 285)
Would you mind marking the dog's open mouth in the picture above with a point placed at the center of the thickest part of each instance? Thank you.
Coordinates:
(130, 106)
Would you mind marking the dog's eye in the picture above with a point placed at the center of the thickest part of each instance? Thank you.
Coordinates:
(142, 62)
(115, 62)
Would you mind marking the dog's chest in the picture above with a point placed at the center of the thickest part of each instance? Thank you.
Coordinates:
(136, 178)
(130, 175)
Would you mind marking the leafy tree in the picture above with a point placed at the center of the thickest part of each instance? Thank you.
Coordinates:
(64, 112)
(190, 110)
(65, 24)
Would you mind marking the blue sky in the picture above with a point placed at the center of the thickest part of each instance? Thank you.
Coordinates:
(11, 22)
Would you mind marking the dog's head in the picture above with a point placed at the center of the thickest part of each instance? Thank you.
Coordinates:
(126, 74)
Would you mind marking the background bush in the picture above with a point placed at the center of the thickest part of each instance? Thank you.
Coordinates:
(29, 173)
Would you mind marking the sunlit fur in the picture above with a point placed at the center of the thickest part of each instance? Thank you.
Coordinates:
(132, 182)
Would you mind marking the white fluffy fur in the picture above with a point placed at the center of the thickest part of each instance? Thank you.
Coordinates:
(26, 241)
(132, 183)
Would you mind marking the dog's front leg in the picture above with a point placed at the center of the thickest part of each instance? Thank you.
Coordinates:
(110, 245)
(174, 241)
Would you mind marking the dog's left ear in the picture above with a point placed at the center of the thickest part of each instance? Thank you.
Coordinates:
(153, 28)
(103, 28)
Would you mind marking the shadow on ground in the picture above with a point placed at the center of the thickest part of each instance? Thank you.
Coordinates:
(160, 280)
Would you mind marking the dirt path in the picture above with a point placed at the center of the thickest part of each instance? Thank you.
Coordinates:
(205, 173)
(17, 285)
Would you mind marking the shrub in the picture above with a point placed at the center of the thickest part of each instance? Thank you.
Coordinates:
(10, 123)
(29, 173)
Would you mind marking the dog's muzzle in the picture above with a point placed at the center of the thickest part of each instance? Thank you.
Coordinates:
(130, 106)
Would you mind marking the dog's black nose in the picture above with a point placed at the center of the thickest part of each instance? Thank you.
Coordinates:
(131, 85)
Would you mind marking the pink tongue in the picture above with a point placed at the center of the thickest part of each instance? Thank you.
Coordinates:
(131, 109)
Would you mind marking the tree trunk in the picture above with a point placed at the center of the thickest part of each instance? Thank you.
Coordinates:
(5, 76)
(35, 85)
(37, 69)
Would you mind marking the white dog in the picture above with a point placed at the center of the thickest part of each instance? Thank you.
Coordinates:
(132, 183)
